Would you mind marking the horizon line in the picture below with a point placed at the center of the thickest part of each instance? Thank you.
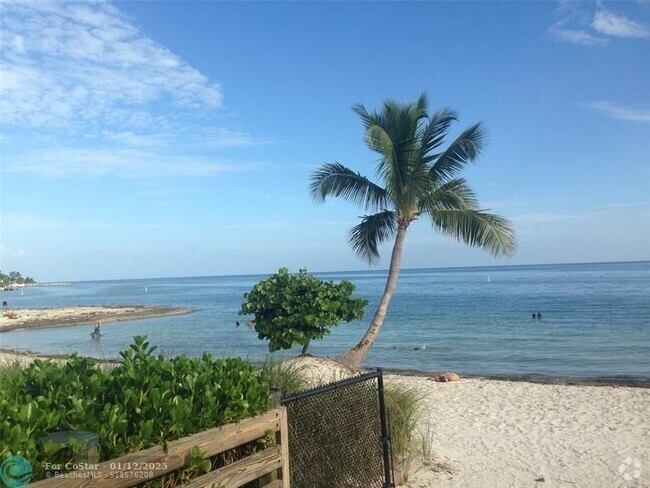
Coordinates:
(356, 271)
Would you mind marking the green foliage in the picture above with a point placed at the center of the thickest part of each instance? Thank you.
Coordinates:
(14, 278)
(418, 179)
(411, 448)
(404, 409)
(145, 401)
(197, 465)
(294, 309)
(287, 378)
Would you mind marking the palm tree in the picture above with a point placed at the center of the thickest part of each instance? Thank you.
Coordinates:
(418, 180)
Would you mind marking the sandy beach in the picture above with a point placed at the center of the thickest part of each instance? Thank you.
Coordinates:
(491, 433)
(33, 318)
(519, 434)
(487, 433)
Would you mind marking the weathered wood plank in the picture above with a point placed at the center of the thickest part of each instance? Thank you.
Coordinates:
(133, 469)
(284, 446)
(241, 472)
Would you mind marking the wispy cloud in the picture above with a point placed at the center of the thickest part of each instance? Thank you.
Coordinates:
(611, 24)
(575, 36)
(66, 62)
(544, 218)
(105, 99)
(123, 163)
(616, 111)
(642, 203)
(576, 26)
(24, 223)
(286, 224)
(589, 214)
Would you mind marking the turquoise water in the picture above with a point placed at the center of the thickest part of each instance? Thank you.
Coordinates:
(596, 319)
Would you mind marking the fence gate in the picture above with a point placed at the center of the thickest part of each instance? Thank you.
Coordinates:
(338, 435)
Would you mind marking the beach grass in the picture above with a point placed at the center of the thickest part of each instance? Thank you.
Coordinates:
(288, 378)
(405, 409)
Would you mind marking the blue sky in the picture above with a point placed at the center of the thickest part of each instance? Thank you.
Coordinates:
(154, 139)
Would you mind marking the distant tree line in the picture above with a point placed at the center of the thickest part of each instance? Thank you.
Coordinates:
(14, 278)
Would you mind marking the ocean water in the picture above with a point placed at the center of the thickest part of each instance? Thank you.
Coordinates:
(596, 320)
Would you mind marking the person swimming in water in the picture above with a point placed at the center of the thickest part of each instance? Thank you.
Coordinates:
(96, 333)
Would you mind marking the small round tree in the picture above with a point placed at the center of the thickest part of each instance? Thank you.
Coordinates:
(294, 309)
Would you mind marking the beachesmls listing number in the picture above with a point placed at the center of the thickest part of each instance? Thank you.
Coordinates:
(116, 470)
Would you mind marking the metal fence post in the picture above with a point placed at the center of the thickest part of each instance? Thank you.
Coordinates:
(385, 435)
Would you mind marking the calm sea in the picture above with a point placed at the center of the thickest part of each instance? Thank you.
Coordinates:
(595, 319)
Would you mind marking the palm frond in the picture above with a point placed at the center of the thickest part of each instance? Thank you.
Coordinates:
(455, 194)
(476, 228)
(367, 118)
(421, 105)
(337, 180)
(394, 133)
(419, 177)
(465, 149)
(379, 140)
(373, 230)
(433, 133)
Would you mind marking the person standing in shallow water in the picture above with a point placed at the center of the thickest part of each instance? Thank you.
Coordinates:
(539, 316)
(97, 333)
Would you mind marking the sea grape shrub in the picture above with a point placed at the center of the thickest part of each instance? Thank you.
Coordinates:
(145, 401)
(292, 309)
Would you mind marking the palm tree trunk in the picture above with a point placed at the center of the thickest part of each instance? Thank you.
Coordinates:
(355, 356)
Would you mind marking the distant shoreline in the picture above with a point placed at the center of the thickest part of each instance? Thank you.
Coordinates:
(40, 318)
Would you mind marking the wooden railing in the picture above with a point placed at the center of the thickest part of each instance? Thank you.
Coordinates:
(141, 466)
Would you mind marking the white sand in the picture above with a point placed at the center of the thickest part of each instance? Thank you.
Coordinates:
(9, 358)
(508, 434)
(511, 433)
(60, 317)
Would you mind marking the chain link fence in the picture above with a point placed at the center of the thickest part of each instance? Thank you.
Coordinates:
(338, 435)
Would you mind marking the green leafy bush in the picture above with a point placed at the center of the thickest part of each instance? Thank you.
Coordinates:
(145, 401)
(294, 309)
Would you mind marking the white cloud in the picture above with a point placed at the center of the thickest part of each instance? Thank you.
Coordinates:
(611, 24)
(616, 111)
(188, 135)
(575, 36)
(577, 26)
(284, 224)
(69, 63)
(26, 223)
(642, 203)
(83, 75)
(543, 218)
(122, 163)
